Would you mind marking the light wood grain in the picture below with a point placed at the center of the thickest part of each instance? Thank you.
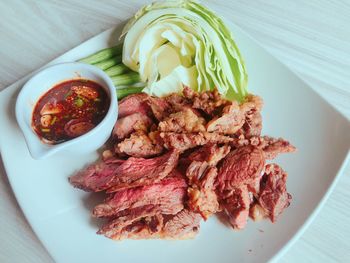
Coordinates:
(311, 37)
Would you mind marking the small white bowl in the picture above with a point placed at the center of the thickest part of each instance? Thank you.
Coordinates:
(47, 79)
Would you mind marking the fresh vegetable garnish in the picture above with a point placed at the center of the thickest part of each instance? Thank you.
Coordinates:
(106, 64)
(126, 79)
(103, 54)
(79, 102)
(177, 43)
(85, 92)
(171, 45)
(109, 60)
(117, 70)
(53, 120)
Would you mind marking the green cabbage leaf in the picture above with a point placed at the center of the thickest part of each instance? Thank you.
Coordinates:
(181, 43)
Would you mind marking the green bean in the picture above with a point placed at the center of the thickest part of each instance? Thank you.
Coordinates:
(103, 54)
(117, 70)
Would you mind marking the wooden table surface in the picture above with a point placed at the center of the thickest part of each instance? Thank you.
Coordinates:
(312, 37)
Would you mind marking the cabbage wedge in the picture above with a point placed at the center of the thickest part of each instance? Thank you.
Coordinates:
(177, 43)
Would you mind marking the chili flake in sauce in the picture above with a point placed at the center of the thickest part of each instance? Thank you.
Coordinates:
(69, 109)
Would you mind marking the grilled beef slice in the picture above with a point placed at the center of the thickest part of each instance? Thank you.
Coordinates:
(167, 195)
(125, 174)
(240, 167)
(135, 103)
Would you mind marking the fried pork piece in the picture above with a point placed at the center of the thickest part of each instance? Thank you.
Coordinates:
(185, 121)
(140, 144)
(167, 197)
(178, 102)
(163, 107)
(133, 115)
(160, 107)
(210, 153)
(270, 146)
(253, 120)
(252, 104)
(209, 102)
(231, 120)
(128, 124)
(201, 174)
(241, 167)
(228, 116)
(201, 193)
(120, 174)
(236, 206)
(184, 141)
(273, 195)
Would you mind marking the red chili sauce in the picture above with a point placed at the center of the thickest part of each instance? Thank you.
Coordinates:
(69, 109)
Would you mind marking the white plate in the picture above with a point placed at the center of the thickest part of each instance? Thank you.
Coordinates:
(60, 214)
